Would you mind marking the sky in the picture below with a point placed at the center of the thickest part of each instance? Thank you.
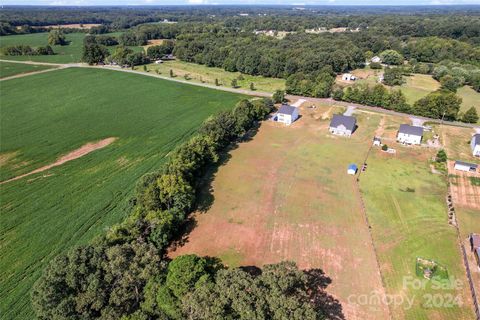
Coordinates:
(239, 2)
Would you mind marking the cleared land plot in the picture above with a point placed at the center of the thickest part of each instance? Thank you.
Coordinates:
(286, 195)
(8, 69)
(457, 142)
(44, 214)
(201, 73)
(464, 192)
(407, 211)
(64, 54)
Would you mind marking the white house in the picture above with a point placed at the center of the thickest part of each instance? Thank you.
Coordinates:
(287, 114)
(408, 134)
(343, 125)
(159, 61)
(376, 59)
(348, 77)
(465, 166)
(475, 145)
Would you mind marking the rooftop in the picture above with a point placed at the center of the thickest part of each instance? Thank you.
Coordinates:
(286, 109)
(467, 164)
(476, 139)
(347, 121)
(475, 240)
(411, 130)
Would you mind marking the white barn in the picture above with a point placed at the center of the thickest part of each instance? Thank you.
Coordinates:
(287, 114)
(465, 166)
(343, 125)
(475, 145)
(408, 134)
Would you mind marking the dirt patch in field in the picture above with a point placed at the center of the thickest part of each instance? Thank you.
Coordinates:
(153, 42)
(277, 198)
(80, 152)
(464, 193)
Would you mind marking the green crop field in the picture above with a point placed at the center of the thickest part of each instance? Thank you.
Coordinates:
(8, 69)
(201, 73)
(408, 215)
(64, 54)
(44, 214)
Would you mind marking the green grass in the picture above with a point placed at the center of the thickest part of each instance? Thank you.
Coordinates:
(407, 225)
(47, 213)
(8, 69)
(201, 73)
(418, 86)
(470, 98)
(64, 54)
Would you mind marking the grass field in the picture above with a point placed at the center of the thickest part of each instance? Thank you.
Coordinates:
(407, 211)
(64, 54)
(418, 86)
(44, 214)
(286, 195)
(8, 69)
(470, 98)
(201, 73)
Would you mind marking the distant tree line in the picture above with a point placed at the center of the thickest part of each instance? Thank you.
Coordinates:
(24, 50)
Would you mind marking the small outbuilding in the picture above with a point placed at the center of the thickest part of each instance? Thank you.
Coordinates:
(159, 61)
(287, 114)
(465, 166)
(475, 145)
(348, 77)
(376, 59)
(343, 125)
(352, 169)
(377, 141)
(408, 134)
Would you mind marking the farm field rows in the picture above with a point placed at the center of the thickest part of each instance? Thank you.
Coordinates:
(286, 195)
(200, 73)
(8, 69)
(44, 214)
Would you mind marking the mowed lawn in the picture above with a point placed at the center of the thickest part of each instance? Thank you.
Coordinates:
(63, 54)
(204, 74)
(286, 195)
(418, 86)
(470, 98)
(47, 115)
(407, 211)
(8, 69)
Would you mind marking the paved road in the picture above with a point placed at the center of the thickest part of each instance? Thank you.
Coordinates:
(250, 92)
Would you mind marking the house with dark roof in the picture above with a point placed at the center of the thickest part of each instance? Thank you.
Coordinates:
(343, 125)
(287, 114)
(465, 166)
(475, 145)
(408, 134)
(475, 247)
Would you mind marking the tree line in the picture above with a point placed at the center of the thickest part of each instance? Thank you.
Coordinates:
(125, 274)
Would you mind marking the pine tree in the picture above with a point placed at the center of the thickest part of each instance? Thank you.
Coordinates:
(470, 116)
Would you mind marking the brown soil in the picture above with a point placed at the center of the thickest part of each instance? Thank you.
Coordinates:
(74, 25)
(80, 152)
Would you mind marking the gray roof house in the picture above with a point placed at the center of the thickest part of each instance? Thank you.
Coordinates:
(287, 114)
(343, 125)
(408, 134)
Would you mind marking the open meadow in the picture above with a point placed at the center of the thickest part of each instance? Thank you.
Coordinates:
(285, 195)
(204, 74)
(44, 214)
(8, 69)
(72, 52)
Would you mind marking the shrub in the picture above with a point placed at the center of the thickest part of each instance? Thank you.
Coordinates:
(384, 147)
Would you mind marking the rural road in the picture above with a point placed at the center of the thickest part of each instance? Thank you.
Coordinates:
(241, 91)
